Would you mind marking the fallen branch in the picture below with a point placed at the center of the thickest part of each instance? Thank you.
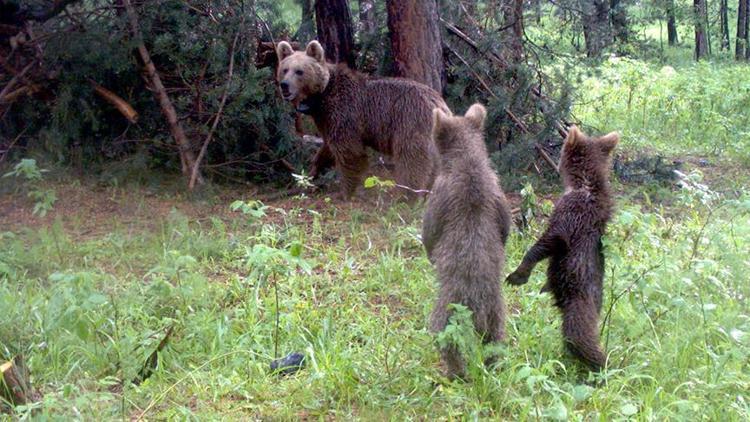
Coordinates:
(187, 157)
(503, 64)
(121, 105)
(16, 78)
(15, 387)
(283, 161)
(547, 158)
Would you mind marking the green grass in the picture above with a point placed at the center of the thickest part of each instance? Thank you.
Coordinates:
(355, 291)
(695, 109)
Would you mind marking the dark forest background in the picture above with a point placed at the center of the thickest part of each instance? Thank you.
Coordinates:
(121, 89)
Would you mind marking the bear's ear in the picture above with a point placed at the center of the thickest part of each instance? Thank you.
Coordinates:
(608, 142)
(284, 50)
(438, 116)
(574, 135)
(476, 115)
(315, 50)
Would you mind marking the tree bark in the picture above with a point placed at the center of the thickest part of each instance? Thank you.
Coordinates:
(512, 30)
(415, 41)
(741, 51)
(187, 157)
(724, 24)
(306, 29)
(619, 20)
(335, 31)
(596, 26)
(701, 37)
(672, 24)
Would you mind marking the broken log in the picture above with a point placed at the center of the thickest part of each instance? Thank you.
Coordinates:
(15, 387)
(121, 105)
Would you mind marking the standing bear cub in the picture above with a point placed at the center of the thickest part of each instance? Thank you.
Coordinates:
(465, 226)
(573, 243)
(391, 116)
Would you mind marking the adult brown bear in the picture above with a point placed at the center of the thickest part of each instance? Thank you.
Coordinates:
(352, 112)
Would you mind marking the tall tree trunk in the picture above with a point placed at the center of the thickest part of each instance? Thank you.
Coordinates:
(335, 31)
(701, 37)
(187, 156)
(741, 48)
(672, 24)
(512, 33)
(619, 20)
(724, 24)
(596, 27)
(306, 29)
(415, 41)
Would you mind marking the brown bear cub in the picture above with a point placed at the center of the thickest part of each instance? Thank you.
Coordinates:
(466, 224)
(573, 243)
(352, 112)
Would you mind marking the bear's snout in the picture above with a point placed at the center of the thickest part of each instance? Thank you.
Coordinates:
(286, 90)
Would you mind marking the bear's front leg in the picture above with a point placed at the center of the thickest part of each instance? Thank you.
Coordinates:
(350, 155)
(352, 174)
(322, 161)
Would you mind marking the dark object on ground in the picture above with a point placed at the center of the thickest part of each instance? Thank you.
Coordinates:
(645, 169)
(15, 387)
(289, 364)
(152, 361)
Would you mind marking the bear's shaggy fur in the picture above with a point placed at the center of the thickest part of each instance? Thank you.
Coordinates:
(465, 226)
(573, 243)
(352, 112)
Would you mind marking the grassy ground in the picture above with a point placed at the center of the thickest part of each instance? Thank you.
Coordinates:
(88, 292)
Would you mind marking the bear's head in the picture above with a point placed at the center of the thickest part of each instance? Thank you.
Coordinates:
(301, 73)
(454, 132)
(585, 161)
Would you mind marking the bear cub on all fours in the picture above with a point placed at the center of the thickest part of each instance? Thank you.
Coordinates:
(573, 244)
(353, 112)
(465, 226)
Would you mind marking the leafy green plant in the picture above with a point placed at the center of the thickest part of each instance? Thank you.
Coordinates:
(255, 210)
(30, 176)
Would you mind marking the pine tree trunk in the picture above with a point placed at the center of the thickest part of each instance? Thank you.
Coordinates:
(335, 31)
(724, 24)
(701, 37)
(415, 41)
(306, 29)
(512, 34)
(619, 20)
(741, 50)
(672, 24)
(596, 26)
